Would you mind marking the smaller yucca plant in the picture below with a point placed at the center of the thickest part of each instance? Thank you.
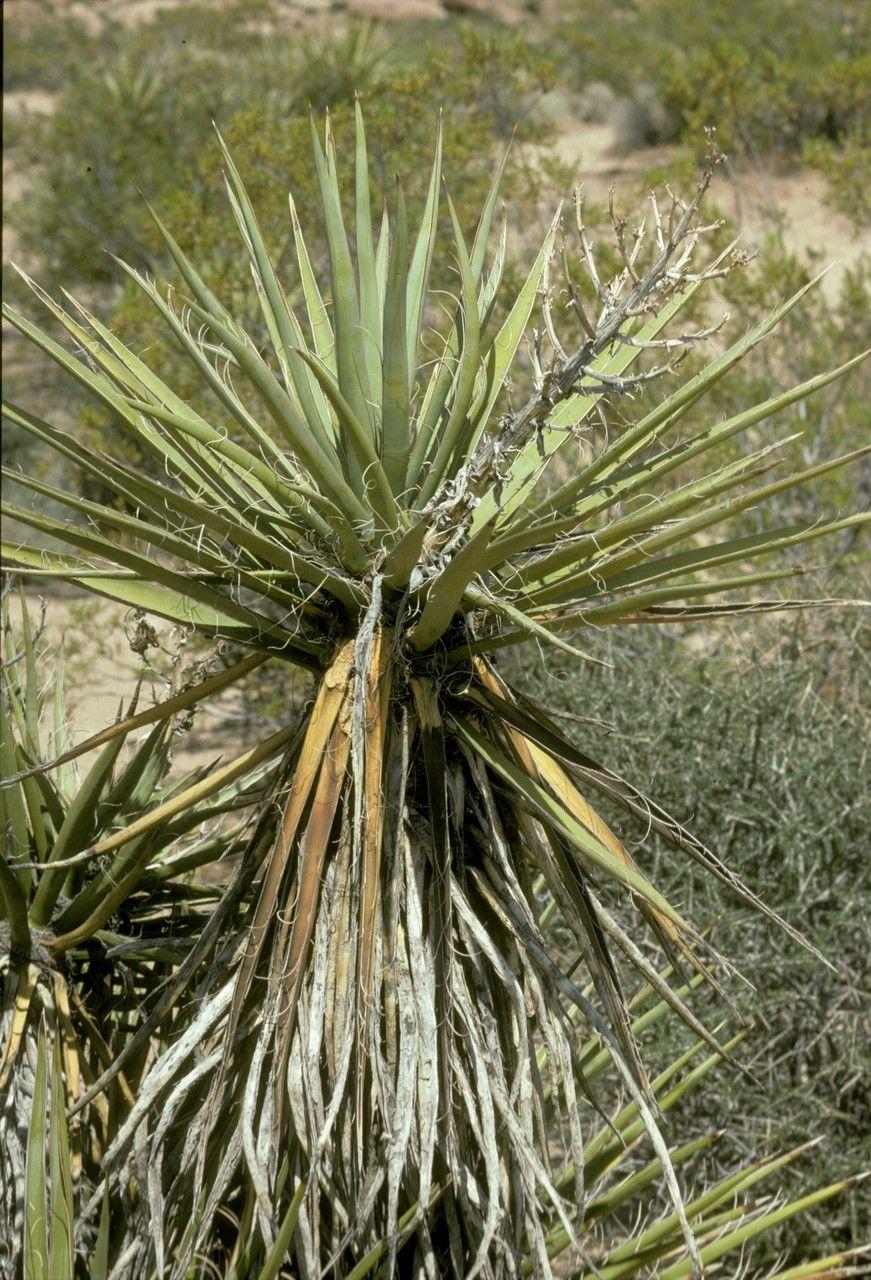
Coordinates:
(99, 903)
(367, 501)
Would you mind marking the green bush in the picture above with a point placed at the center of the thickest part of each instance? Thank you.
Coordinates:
(769, 74)
(127, 124)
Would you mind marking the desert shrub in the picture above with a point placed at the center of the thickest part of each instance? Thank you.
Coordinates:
(768, 733)
(847, 166)
(769, 75)
(127, 114)
(43, 51)
(139, 120)
(332, 66)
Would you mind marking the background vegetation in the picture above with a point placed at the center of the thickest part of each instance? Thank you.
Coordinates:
(768, 730)
(769, 739)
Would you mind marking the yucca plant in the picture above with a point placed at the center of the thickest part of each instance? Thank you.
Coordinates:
(100, 907)
(391, 1060)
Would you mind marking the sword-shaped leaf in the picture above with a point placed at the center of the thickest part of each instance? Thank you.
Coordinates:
(37, 1259)
(371, 309)
(359, 444)
(714, 555)
(638, 478)
(225, 522)
(647, 548)
(405, 554)
(731, 1241)
(351, 370)
(284, 328)
(448, 438)
(395, 406)
(529, 628)
(156, 819)
(499, 357)
(152, 594)
(318, 316)
(549, 568)
(421, 257)
(160, 711)
(606, 614)
(61, 1174)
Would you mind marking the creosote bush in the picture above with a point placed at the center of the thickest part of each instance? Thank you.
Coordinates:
(759, 743)
(369, 1059)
